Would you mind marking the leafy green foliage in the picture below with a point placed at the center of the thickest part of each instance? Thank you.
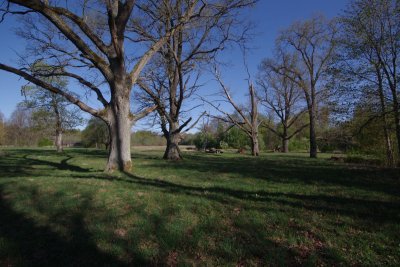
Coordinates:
(96, 134)
(236, 138)
(205, 141)
(147, 138)
(50, 110)
(45, 142)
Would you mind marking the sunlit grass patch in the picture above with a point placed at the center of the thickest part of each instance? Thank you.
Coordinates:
(279, 210)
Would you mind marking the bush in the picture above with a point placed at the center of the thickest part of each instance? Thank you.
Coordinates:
(223, 145)
(45, 142)
(299, 145)
(205, 141)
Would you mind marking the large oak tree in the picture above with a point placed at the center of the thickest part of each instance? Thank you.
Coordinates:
(173, 77)
(103, 45)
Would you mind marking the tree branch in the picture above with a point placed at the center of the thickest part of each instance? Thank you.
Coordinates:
(51, 88)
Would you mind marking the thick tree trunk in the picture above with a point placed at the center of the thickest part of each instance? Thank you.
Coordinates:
(58, 142)
(313, 136)
(285, 145)
(255, 149)
(285, 140)
(172, 151)
(119, 125)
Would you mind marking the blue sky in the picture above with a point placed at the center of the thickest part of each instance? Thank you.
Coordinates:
(269, 16)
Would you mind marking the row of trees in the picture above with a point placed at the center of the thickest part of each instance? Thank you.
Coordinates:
(105, 46)
(367, 67)
(151, 53)
(346, 67)
(25, 127)
(37, 126)
(32, 127)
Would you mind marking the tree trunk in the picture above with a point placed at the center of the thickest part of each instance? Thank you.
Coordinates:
(285, 145)
(255, 150)
(285, 140)
(396, 112)
(59, 145)
(172, 151)
(58, 126)
(388, 141)
(119, 125)
(313, 136)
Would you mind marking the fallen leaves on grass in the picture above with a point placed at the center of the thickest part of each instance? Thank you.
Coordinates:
(120, 232)
(172, 259)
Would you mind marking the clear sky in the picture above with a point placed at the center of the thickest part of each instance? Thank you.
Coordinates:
(269, 16)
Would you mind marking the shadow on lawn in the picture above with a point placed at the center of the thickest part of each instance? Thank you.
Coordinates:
(374, 210)
(40, 245)
(29, 243)
(370, 210)
(25, 243)
(294, 170)
(12, 165)
(63, 165)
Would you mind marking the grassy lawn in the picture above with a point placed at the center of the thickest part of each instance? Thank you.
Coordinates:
(208, 210)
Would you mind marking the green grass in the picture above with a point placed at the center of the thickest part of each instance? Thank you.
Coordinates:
(208, 210)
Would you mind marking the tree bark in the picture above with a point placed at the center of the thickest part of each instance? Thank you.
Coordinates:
(396, 112)
(285, 139)
(173, 152)
(173, 136)
(59, 145)
(119, 125)
(255, 148)
(285, 145)
(313, 136)
(58, 125)
(388, 141)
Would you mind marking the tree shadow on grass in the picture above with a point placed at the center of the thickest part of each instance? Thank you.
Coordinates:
(62, 166)
(375, 211)
(39, 245)
(26, 243)
(295, 170)
(30, 243)
(23, 166)
(14, 167)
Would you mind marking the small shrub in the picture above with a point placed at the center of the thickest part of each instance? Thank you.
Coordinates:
(223, 145)
(45, 142)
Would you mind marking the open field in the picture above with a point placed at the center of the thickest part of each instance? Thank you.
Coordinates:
(208, 210)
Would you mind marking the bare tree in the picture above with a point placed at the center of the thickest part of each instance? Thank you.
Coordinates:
(371, 31)
(357, 73)
(313, 42)
(2, 129)
(173, 78)
(281, 95)
(82, 41)
(20, 128)
(52, 110)
(248, 121)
